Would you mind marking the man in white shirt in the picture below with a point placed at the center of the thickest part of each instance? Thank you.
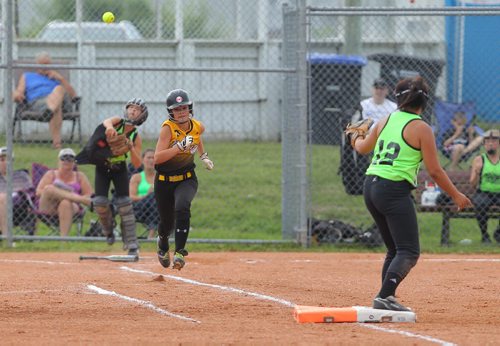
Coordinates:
(377, 106)
(354, 165)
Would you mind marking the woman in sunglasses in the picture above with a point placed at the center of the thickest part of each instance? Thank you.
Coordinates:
(62, 190)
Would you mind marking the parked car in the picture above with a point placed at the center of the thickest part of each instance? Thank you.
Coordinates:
(58, 31)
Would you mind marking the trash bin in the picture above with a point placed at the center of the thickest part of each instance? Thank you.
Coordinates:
(335, 91)
(395, 67)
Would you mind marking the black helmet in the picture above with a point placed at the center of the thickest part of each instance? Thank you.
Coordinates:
(144, 115)
(177, 98)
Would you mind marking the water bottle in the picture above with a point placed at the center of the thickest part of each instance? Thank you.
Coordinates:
(429, 196)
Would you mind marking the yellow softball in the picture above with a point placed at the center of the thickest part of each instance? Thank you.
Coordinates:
(108, 17)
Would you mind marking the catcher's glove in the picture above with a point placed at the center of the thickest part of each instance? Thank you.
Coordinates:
(119, 144)
(358, 129)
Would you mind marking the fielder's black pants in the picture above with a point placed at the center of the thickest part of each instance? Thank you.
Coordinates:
(391, 206)
(174, 206)
(482, 202)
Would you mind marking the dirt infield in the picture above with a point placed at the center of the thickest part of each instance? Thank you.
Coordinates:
(240, 298)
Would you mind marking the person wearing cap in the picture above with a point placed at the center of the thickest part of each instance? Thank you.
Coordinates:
(20, 181)
(44, 90)
(485, 175)
(62, 190)
(377, 106)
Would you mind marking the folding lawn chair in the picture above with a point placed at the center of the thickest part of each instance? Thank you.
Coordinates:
(24, 191)
(52, 221)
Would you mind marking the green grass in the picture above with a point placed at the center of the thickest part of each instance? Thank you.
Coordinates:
(241, 199)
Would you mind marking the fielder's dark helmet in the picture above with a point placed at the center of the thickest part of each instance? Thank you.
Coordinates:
(144, 115)
(176, 98)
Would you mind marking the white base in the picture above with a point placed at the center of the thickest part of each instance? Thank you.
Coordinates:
(367, 314)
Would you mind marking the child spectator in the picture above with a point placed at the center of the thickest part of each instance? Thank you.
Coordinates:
(460, 140)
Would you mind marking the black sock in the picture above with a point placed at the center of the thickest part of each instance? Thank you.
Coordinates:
(391, 282)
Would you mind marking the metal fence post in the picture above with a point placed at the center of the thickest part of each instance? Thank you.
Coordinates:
(294, 126)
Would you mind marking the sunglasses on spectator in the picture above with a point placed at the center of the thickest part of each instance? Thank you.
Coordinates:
(70, 158)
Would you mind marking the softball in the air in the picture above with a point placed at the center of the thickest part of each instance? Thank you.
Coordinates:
(108, 17)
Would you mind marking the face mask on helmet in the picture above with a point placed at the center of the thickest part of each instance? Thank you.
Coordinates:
(142, 117)
(177, 98)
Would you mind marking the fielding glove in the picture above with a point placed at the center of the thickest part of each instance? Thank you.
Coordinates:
(357, 130)
(186, 143)
(207, 162)
(119, 144)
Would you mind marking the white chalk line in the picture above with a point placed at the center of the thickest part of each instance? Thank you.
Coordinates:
(220, 287)
(285, 303)
(33, 261)
(143, 303)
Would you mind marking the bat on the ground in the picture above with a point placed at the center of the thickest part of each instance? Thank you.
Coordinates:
(113, 258)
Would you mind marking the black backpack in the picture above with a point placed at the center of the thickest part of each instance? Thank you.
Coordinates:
(352, 165)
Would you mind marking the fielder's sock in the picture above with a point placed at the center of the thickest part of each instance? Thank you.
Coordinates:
(389, 285)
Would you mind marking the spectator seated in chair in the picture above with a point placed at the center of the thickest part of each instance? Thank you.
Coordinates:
(62, 191)
(21, 182)
(461, 141)
(485, 175)
(142, 194)
(44, 90)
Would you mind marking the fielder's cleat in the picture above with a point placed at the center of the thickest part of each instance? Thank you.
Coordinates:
(164, 258)
(133, 252)
(179, 261)
(389, 303)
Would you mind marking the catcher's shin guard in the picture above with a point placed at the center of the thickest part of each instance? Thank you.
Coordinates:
(102, 208)
(126, 212)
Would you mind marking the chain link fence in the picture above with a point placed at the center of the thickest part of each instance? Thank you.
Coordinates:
(356, 56)
(267, 77)
(226, 54)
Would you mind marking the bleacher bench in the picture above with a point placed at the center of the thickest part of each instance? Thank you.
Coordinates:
(22, 113)
(461, 181)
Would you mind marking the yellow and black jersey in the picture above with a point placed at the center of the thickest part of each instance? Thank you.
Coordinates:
(184, 161)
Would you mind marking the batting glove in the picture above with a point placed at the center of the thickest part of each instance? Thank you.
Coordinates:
(207, 162)
(186, 143)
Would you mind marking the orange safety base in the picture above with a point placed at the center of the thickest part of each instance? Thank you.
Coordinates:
(316, 314)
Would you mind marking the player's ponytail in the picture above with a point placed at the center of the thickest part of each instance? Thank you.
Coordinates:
(412, 94)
